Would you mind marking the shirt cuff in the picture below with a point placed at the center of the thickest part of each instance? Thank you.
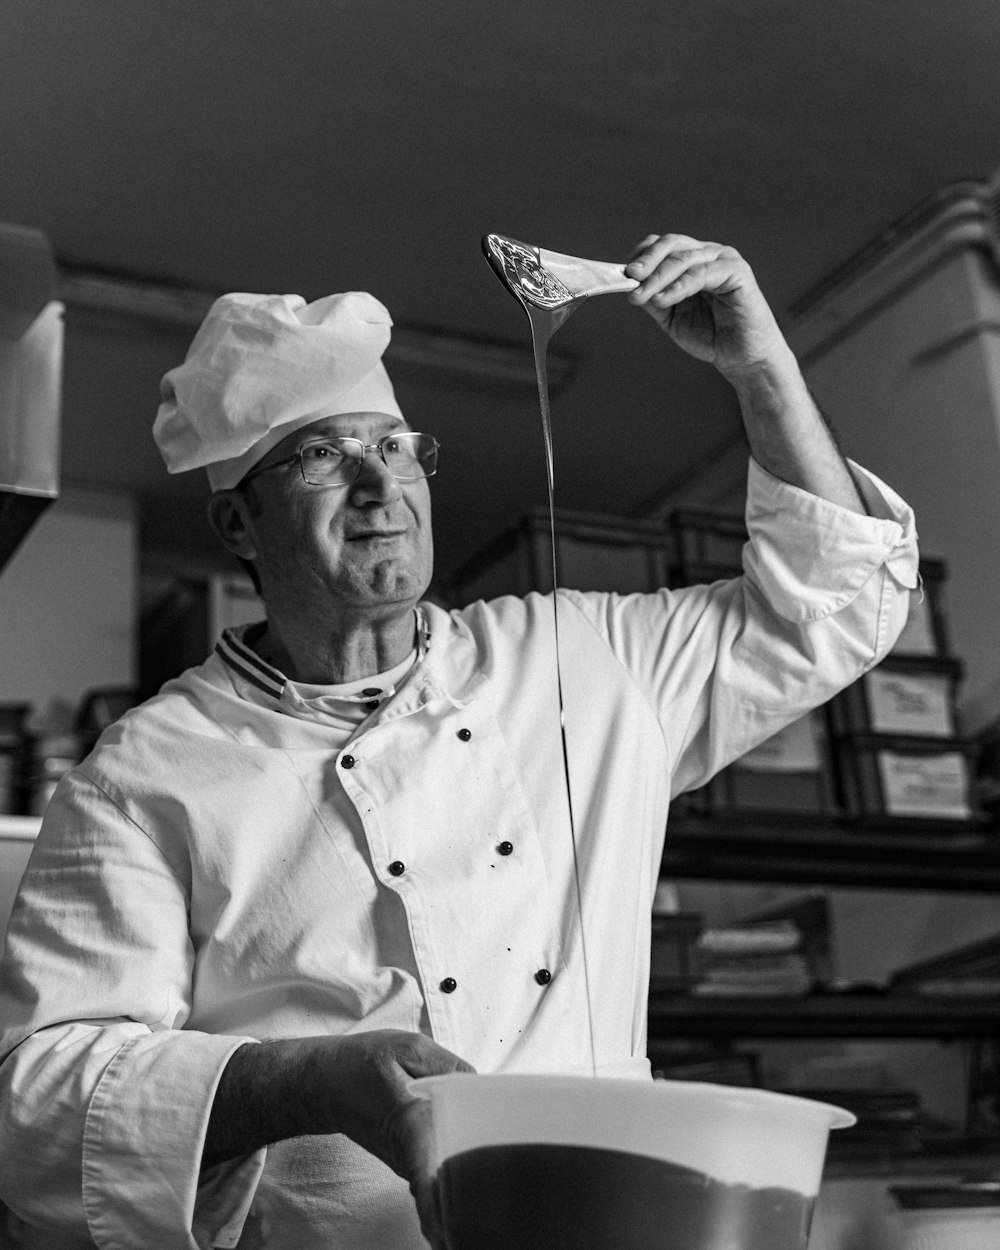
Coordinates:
(143, 1142)
(811, 557)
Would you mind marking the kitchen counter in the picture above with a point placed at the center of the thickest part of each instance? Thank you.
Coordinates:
(19, 828)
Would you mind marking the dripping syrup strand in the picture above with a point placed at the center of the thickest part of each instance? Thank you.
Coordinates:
(544, 323)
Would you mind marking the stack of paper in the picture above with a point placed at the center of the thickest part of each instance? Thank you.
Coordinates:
(764, 958)
(968, 971)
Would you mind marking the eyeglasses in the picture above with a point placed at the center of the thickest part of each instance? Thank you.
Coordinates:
(338, 461)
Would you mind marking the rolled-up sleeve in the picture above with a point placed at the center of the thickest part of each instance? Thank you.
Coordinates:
(104, 1096)
(824, 594)
(812, 558)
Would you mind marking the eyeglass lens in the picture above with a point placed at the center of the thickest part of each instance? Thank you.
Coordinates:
(407, 457)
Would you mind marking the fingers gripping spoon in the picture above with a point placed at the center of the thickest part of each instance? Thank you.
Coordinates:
(550, 287)
(552, 281)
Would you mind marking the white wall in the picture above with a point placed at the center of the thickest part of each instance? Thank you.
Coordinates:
(68, 601)
(915, 398)
(904, 355)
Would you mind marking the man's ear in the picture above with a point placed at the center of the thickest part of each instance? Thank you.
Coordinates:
(228, 516)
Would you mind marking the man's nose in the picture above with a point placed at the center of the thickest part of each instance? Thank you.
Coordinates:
(374, 483)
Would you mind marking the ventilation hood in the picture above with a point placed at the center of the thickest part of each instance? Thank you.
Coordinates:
(31, 348)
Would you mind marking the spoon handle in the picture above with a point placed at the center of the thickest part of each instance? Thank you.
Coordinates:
(586, 277)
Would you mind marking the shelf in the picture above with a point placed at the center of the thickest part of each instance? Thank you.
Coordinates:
(717, 849)
(954, 1159)
(821, 1015)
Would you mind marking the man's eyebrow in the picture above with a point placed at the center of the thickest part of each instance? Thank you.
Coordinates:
(395, 425)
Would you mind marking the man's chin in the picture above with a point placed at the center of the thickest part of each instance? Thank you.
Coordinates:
(394, 590)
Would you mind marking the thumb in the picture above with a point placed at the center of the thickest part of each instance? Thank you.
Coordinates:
(423, 1057)
(444, 1063)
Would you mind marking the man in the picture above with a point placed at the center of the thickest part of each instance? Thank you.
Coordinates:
(338, 855)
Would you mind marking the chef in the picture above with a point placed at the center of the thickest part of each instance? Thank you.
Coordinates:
(338, 854)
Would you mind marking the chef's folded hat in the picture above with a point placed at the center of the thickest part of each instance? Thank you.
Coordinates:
(261, 367)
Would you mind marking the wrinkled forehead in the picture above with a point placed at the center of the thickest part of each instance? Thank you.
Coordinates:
(368, 426)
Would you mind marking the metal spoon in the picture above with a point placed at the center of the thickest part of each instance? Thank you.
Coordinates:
(551, 280)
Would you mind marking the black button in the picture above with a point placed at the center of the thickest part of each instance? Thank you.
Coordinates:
(465, 734)
(448, 985)
(505, 848)
(397, 868)
(543, 976)
(347, 761)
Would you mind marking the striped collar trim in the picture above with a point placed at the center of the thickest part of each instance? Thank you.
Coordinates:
(247, 663)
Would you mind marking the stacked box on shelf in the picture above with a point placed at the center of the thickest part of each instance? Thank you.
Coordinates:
(790, 776)
(673, 963)
(15, 752)
(900, 758)
(593, 552)
(707, 545)
(925, 632)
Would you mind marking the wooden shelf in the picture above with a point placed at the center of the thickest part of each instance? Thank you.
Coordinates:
(889, 858)
(673, 1015)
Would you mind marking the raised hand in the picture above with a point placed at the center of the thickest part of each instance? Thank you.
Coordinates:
(705, 296)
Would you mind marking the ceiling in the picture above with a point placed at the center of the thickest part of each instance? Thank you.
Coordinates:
(315, 146)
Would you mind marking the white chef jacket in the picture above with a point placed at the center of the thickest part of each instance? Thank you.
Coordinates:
(226, 867)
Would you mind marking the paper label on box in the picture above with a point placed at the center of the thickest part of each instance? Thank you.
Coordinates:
(794, 749)
(924, 785)
(917, 703)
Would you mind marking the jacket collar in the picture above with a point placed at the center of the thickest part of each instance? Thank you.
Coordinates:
(445, 667)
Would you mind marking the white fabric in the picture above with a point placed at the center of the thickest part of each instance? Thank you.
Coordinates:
(262, 367)
(213, 873)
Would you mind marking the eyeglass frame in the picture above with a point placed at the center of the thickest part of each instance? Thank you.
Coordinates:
(359, 462)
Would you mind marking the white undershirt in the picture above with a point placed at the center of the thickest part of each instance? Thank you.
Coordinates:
(346, 704)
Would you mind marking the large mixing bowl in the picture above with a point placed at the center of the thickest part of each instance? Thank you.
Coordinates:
(581, 1163)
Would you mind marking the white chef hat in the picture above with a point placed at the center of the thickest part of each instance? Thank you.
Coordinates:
(262, 366)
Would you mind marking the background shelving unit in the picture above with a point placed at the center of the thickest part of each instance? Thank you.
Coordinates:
(876, 1015)
(742, 851)
(836, 855)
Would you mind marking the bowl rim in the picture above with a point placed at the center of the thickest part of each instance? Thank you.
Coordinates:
(837, 1117)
